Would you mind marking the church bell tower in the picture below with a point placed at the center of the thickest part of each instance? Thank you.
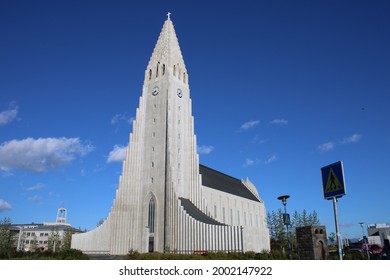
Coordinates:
(162, 163)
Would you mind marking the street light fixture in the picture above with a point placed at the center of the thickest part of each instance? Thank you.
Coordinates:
(364, 240)
(284, 198)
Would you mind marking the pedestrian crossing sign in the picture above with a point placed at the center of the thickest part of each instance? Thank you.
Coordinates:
(333, 183)
(286, 219)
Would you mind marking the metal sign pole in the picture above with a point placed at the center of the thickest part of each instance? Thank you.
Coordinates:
(336, 220)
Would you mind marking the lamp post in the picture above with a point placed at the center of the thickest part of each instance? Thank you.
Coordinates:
(284, 198)
(364, 240)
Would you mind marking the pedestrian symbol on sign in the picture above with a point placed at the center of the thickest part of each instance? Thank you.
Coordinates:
(333, 183)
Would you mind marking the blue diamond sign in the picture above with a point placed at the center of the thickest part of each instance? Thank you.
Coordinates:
(333, 183)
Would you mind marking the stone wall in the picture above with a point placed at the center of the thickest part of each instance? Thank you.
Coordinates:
(312, 242)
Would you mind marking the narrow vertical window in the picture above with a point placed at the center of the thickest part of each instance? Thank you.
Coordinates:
(163, 73)
(151, 215)
(158, 66)
(174, 70)
(184, 78)
(152, 164)
(150, 74)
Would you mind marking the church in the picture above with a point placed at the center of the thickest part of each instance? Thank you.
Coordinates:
(166, 201)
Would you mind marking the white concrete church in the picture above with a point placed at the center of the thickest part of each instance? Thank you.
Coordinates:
(166, 201)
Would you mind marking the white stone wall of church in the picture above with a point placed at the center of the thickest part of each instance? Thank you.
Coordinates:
(237, 211)
(94, 241)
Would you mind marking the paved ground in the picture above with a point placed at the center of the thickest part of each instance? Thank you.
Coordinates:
(105, 257)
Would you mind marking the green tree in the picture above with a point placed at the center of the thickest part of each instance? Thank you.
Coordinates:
(100, 222)
(67, 240)
(332, 237)
(5, 238)
(54, 241)
(34, 244)
(278, 229)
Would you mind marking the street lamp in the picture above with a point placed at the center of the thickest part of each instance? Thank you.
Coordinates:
(286, 221)
(364, 240)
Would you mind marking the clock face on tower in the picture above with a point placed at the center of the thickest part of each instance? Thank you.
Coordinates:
(155, 91)
(179, 93)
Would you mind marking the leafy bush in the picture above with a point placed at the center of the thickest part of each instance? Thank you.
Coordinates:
(72, 254)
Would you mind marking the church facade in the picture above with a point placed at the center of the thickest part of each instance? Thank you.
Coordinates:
(166, 201)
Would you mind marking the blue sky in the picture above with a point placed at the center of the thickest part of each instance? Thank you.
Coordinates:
(279, 90)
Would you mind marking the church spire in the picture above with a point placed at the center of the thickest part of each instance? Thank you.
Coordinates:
(167, 53)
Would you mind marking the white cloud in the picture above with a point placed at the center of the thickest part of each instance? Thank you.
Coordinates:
(352, 139)
(248, 125)
(205, 150)
(4, 205)
(9, 115)
(36, 187)
(347, 140)
(121, 118)
(326, 147)
(117, 154)
(270, 159)
(250, 162)
(280, 122)
(36, 199)
(42, 154)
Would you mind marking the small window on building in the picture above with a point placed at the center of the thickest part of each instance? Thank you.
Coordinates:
(150, 74)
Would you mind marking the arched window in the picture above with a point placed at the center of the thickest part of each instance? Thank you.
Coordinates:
(151, 215)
